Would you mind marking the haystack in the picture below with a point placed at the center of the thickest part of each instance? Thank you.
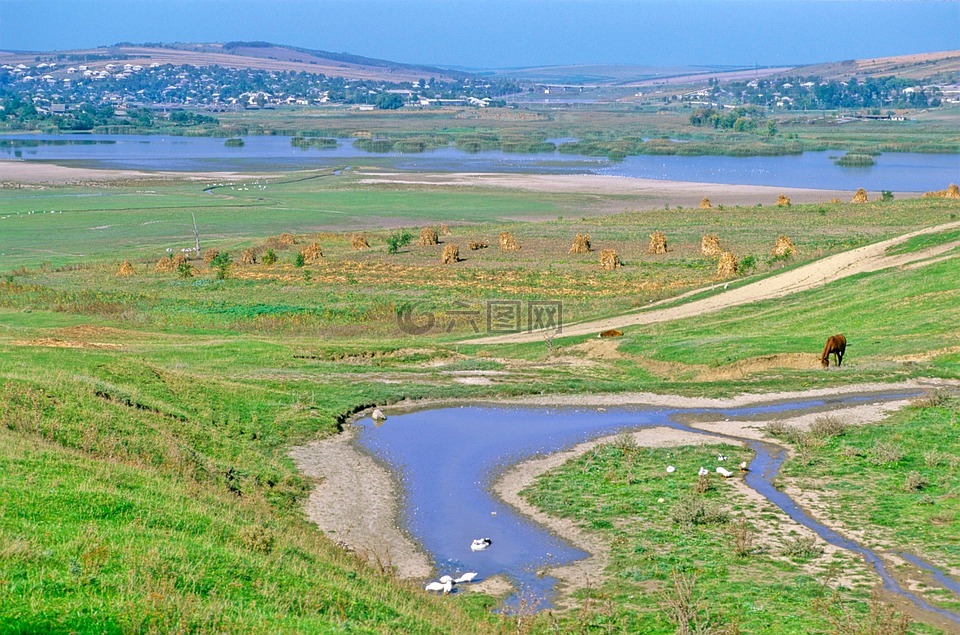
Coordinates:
(359, 241)
(658, 243)
(710, 246)
(312, 253)
(445, 230)
(164, 265)
(727, 265)
(179, 259)
(287, 240)
(428, 236)
(508, 242)
(834, 200)
(581, 244)
(476, 245)
(783, 247)
(783, 201)
(951, 192)
(248, 257)
(705, 203)
(126, 269)
(450, 255)
(209, 255)
(860, 196)
(609, 259)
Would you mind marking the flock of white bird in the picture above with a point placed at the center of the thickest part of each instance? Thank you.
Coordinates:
(446, 583)
(722, 471)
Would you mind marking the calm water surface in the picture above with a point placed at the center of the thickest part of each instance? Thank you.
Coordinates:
(904, 172)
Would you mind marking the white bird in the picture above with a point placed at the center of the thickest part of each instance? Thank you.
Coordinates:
(725, 473)
(743, 466)
(466, 577)
(378, 415)
(671, 469)
(480, 544)
(442, 587)
(445, 579)
(721, 457)
(703, 471)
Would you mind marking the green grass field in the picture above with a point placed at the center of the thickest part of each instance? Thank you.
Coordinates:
(145, 420)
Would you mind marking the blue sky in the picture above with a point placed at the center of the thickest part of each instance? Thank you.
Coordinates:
(507, 33)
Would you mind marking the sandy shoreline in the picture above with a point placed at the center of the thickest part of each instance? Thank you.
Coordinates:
(357, 501)
(647, 193)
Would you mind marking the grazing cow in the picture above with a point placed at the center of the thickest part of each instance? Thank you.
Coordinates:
(837, 345)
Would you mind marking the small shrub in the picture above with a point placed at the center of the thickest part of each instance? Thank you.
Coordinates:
(802, 547)
(742, 534)
(938, 458)
(915, 482)
(185, 270)
(886, 196)
(827, 427)
(256, 538)
(748, 264)
(299, 260)
(693, 510)
(221, 262)
(397, 240)
(269, 257)
(883, 453)
(703, 484)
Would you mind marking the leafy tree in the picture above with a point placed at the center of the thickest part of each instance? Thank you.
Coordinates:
(388, 101)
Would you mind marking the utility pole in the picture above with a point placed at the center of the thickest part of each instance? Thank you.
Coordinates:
(196, 233)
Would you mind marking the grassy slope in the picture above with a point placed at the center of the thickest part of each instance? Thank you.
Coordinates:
(187, 516)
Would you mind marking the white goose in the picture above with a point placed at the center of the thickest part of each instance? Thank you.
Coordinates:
(480, 544)
(466, 577)
(724, 472)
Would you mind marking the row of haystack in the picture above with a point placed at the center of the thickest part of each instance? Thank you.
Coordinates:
(951, 192)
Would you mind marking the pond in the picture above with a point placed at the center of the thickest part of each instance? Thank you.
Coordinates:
(448, 459)
(899, 172)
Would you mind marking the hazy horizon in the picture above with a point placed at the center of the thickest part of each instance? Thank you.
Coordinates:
(505, 33)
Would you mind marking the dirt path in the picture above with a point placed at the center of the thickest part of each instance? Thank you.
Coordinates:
(815, 274)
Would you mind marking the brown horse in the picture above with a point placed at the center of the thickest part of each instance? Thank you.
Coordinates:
(837, 345)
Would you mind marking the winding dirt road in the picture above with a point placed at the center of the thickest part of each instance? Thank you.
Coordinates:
(815, 274)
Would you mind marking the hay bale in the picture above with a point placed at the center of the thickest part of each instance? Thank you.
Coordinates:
(287, 240)
(705, 203)
(428, 236)
(508, 242)
(312, 253)
(783, 201)
(658, 243)
(783, 247)
(727, 265)
(249, 257)
(860, 196)
(610, 333)
(179, 259)
(834, 200)
(126, 269)
(450, 255)
(710, 246)
(609, 260)
(445, 230)
(359, 241)
(951, 192)
(477, 245)
(164, 265)
(581, 244)
(209, 255)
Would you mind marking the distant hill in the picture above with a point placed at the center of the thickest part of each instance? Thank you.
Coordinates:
(934, 66)
(251, 55)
